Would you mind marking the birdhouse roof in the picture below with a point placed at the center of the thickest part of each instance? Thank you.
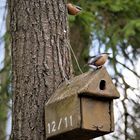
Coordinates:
(96, 84)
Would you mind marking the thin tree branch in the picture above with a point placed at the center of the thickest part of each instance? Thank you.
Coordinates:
(127, 68)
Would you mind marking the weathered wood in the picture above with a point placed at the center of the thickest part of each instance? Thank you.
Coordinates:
(83, 109)
(64, 117)
(96, 114)
(87, 84)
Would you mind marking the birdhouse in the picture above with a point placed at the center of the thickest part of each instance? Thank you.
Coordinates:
(82, 109)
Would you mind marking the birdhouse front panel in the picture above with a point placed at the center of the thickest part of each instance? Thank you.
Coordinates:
(97, 115)
(62, 116)
(82, 109)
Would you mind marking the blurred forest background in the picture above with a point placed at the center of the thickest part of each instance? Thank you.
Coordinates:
(102, 26)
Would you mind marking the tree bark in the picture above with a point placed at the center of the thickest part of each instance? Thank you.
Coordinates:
(40, 61)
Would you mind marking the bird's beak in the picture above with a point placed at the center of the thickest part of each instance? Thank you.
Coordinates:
(79, 8)
(108, 53)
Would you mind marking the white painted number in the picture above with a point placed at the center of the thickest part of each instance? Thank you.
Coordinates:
(71, 120)
(59, 125)
(53, 126)
(66, 122)
(49, 128)
(63, 123)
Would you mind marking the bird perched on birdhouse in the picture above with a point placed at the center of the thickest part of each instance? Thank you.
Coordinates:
(98, 61)
(73, 9)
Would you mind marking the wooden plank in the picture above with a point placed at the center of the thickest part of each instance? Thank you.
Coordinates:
(62, 116)
(96, 115)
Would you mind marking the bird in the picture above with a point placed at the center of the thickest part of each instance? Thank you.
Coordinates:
(73, 9)
(98, 61)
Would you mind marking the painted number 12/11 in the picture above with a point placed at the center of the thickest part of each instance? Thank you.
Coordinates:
(55, 126)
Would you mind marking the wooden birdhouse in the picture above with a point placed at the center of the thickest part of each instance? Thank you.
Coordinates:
(82, 109)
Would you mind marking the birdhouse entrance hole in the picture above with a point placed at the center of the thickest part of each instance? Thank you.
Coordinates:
(102, 85)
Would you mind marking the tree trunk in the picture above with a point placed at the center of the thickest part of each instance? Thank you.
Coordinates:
(40, 61)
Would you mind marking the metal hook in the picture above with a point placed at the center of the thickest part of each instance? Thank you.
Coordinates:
(97, 127)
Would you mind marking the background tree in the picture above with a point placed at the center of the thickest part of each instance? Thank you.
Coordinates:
(5, 92)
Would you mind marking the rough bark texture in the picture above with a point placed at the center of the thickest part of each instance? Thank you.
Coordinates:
(40, 61)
